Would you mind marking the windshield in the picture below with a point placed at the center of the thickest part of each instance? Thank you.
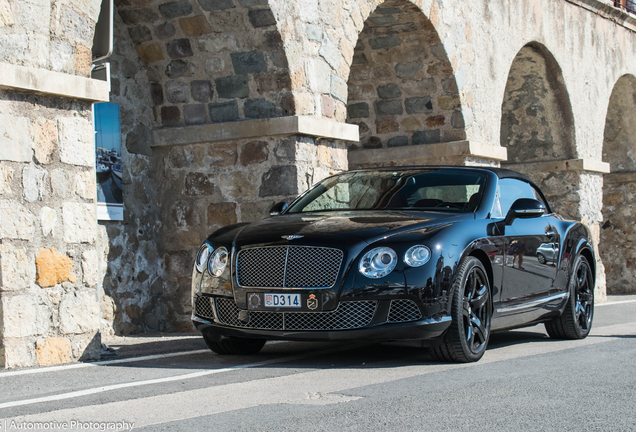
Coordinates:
(433, 189)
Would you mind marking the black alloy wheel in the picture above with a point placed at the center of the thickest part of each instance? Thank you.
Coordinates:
(576, 320)
(467, 338)
(541, 258)
(235, 346)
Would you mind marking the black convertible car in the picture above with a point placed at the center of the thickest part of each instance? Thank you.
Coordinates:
(443, 255)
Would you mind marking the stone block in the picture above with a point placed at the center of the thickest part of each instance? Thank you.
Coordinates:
(416, 105)
(254, 211)
(252, 3)
(17, 353)
(53, 351)
(408, 70)
(280, 180)
(314, 33)
(358, 110)
(48, 220)
(330, 51)
(53, 268)
(177, 92)
(6, 177)
(179, 48)
(16, 143)
(164, 30)
(183, 215)
(140, 34)
(76, 142)
(384, 42)
(449, 102)
(254, 152)
(139, 15)
(60, 52)
(79, 222)
(170, 116)
(85, 186)
(339, 88)
(386, 124)
(89, 268)
(426, 137)
(261, 18)
(222, 214)
(223, 112)
(237, 185)
(16, 268)
(156, 93)
(149, 53)
(33, 184)
(328, 106)
(60, 184)
(199, 184)
(388, 107)
(194, 114)
(222, 154)
(457, 120)
(79, 312)
(259, 108)
(372, 143)
(218, 43)
(24, 316)
(6, 15)
(195, 26)
(215, 5)
(179, 68)
(359, 58)
(382, 20)
(411, 124)
(17, 222)
(138, 140)
(232, 87)
(44, 140)
(214, 65)
(389, 91)
(175, 9)
(318, 75)
(248, 62)
(201, 90)
(398, 141)
(435, 121)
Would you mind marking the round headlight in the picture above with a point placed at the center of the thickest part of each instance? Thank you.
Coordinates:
(202, 257)
(378, 262)
(417, 256)
(218, 262)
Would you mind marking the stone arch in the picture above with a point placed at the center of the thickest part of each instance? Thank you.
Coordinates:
(537, 123)
(210, 61)
(617, 245)
(401, 85)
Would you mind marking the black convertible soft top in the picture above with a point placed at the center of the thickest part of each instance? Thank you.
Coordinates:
(499, 172)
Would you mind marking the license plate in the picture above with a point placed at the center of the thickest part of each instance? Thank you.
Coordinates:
(282, 300)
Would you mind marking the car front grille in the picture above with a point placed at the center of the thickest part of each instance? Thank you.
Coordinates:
(288, 267)
(348, 315)
(203, 307)
(404, 311)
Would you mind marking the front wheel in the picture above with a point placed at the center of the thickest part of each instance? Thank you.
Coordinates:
(236, 346)
(467, 338)
(576, 320)
(541, 258)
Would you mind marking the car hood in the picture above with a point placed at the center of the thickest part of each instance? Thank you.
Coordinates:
(336, 228)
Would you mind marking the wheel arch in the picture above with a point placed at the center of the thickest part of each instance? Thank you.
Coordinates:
(589, 256)
(483, 258)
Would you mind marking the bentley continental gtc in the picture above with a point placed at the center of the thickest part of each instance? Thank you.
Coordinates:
(441, 255)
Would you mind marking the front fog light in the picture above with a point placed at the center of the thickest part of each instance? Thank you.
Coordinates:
(218, 262)
(417, 256)
(202, 257)
(378, 262)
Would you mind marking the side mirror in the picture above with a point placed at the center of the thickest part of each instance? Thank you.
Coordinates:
(278, 208)
(525, 208)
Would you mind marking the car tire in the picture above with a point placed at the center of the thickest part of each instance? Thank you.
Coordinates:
(541, 258)
(235, 346)
(471, 311)
(576, 320)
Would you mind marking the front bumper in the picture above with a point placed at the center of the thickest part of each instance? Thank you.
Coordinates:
(363, 320)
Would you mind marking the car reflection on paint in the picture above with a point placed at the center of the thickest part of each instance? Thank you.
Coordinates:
(412, 253)
(548, 253)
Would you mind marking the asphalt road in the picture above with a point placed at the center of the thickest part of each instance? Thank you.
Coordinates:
(524, 382)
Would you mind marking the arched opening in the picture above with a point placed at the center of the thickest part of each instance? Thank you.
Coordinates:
(402, 90)
(537, 124)
(618, 237)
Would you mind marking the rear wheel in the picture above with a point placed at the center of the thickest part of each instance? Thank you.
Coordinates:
(541, 258)
(576, 320)
(236, 346)
(467, 338)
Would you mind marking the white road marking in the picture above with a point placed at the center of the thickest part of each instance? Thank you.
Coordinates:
(102, 389)
(615, 303)
(300, 388)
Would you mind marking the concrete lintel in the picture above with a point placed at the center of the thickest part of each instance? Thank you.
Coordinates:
(303, 125)
(54, 83)
(589, 165)
(427, 153)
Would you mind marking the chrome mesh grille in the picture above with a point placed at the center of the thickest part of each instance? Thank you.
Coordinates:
(403, 311)
(288, 267)
(203, 307)
(349, 315)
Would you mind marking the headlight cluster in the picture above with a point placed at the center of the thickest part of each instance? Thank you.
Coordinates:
(381, 261)
(216, 259)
